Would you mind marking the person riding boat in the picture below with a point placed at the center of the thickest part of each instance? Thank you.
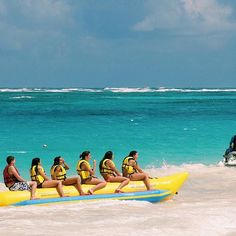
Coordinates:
(110, 173)
(230, 152)
(14, 181)
(87, 173)
(232, 145)
(131, 169)
(58, 172)
(37, 174)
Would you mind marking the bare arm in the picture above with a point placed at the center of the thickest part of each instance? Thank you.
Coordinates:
(94, 166)
(86, 168)
(111, 165)
(138, 168)
(13, 171)
(41, 172)
(135, 165)
(65, 165)
(56, 172)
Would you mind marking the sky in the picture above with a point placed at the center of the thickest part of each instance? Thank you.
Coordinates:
(118, 43)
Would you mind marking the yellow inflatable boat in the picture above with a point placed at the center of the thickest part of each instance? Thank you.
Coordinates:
(170, 183)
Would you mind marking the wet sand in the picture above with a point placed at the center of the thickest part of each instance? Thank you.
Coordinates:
(205, 205)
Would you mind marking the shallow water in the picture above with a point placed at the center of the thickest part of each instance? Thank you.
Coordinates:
(165, 125)
(168, 127)
(205, 205)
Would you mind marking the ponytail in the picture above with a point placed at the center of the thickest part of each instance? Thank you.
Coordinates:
(132, 153)
(84, 154)
(35, 162)
(108, 155)
(56, 161)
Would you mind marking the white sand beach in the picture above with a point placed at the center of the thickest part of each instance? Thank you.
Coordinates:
(204, 206)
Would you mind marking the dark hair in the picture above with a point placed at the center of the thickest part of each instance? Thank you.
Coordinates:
(56, 160)
(132, 153)
(35, 162)
(10, 159)
(84, 154)
(108, 155)
(234, 143)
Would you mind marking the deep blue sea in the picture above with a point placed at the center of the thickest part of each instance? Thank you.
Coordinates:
(166, 126)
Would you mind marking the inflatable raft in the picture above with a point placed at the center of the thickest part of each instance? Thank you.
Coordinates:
(171, 184)
(150, 196)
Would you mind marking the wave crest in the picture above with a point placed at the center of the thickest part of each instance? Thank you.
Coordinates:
(117, 90)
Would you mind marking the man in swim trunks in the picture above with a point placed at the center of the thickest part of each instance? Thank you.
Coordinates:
(14, 181)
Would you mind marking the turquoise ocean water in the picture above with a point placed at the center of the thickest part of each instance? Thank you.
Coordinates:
(172, 126)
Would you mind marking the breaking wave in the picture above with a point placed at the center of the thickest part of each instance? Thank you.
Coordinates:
(116, 90)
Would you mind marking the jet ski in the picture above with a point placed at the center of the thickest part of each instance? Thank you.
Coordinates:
(230, 154)
(230, 159)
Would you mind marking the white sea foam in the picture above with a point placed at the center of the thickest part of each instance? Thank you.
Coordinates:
(50, 90)
(118, 90)
(205, 205)
(90, 90)
(163, 90)
(15, 90)
(19, 152)
(186, 90)
(22, 97)
(56, 90)
(68, 90)
(129, 90)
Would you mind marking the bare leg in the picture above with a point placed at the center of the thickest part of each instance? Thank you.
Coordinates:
(118, 179)
(54, 184)
(33, 185)
(99, 184)
(141, 176)
(76, 181)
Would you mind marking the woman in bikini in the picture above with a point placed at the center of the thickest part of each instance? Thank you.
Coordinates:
(87, 173)
(58, 172)
(131, 169)
(110, 173)
(37, 174)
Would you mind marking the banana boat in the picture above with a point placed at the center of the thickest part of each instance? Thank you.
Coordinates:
(162, 188)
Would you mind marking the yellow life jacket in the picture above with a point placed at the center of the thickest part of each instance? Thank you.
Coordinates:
(126, 168)
(61, 175)
(106, 169)
(35, 176)
(84, 174)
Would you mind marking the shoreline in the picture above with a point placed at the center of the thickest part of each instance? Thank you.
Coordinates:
(205, 203)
